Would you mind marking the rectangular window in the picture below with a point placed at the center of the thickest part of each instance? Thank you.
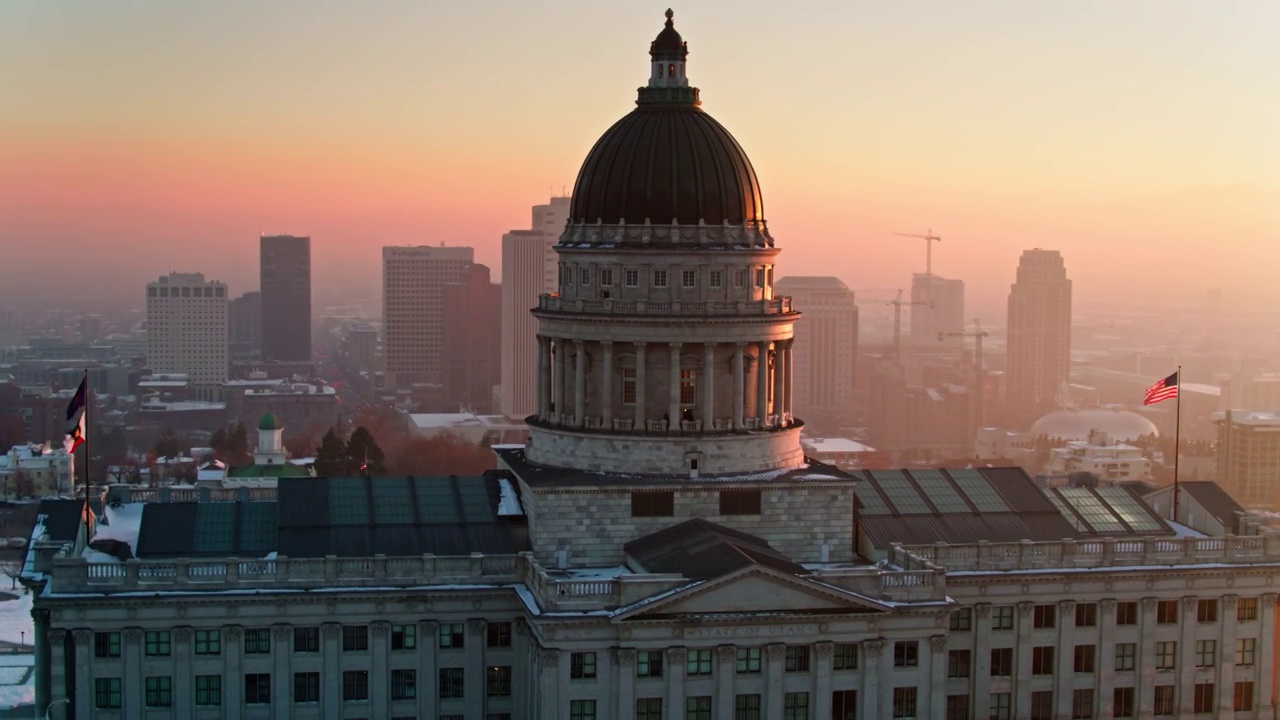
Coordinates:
(582, 665)
(1084, 658)
(106, 693)
(649, 709)
(1002, 617)
(498, 681)
(208, 690)
(746, 707)
(1206, 653)
(1127, 613)
(906, 653)
(1044, 616)
(451, 683)
(498, 634)
(355, 685)
(844, 705)
(208, 642)
(698, 662)
(649, 663)
(797, 658)
(795, 706)
(716, 279)
(1243, 696)
(1001, 662)
(404, 637)
(1041, 705)
(306, 687)
(958, 707)
(1082, 704)
(904, 702)
(257, 641)
(739, 502)
(748, 660)
(958, 664)
(697, 708)
(257, 689)
(404, 684)
(157, 643)
(628, 386)
(1124, 702)
(306, 639)
(1246, 609)
(1163, 701)
(1202, 699)
(452, 635)
(1166, 654)
(659, 278)
(688, 388)
(1207, 610)
(688, 279)
(1126, 656)
(606, 277)
(1166, 612)
(1042, 660)
(355, 638)
(759, 277)
(159, 691)
(631, 278)
(106, 644)
(845, 656)
(1001, 706)
(584, 276)
(1246, 651)
(740, 278)
(653, 504)
(962, 620)
(1086, 615)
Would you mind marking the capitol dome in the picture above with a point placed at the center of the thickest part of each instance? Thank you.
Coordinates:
(667, 162)
(1078, 423)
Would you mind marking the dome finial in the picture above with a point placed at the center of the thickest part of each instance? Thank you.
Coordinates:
(669, 16)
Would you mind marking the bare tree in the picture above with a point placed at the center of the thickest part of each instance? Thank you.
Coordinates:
(12, 569)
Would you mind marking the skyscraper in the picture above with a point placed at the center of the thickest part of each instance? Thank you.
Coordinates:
(472, 344)
(244, 326)
(528, 270)
(285, 282)
(826, 349)
(937, 310)
(1039, 346)
(413, 280)
(187, 330)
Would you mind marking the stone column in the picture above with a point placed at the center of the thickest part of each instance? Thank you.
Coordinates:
(981, 665)
(566, 372)
(579, 383)
(331, 674)
(625, 659)
(606, 386)
(1147, 659)
(642, 416)
(675, 684)
(774, 655)
(674, 411)
(557, 380)
(1065, 662)
(726, 667)
(1022, 661)
(548, 683)
(779, 382)
(1187, 657)
(544, 377)
(762, 382)
(1106, 658)
(739, 385)
(428, 642)
(788, 391)
(58, 668)
(131, 679)
(871, 689)
(1226, 679)
(934, 702)
(40, 643)
(182, 652)
(822, 681)
(282, 673)
(84, 683)
(1266, 630)
(379, 674)
(708, 387)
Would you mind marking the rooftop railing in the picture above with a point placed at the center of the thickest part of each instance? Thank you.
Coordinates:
(775, 306)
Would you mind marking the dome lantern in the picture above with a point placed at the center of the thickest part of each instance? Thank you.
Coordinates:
(667, 79)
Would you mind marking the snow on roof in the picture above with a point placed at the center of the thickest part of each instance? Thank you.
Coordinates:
(426, 421)
(835, 445)
(508, 502)
(122, 523)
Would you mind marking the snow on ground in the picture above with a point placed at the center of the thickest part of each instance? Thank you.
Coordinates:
(16, 625)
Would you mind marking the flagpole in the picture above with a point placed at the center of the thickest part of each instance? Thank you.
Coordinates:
(1177, 444)
(87, 404)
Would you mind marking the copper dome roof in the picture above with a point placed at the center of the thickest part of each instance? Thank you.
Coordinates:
(666, 161)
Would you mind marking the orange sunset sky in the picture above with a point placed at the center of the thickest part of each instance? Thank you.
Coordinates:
(1141, 138)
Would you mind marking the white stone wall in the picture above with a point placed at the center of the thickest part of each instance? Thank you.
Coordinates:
(665, 454)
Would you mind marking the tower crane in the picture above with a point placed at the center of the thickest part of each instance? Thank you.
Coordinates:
(977, 335)
(897, 304)
(929, 239)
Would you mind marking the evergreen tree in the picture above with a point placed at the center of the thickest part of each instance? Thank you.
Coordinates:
(331, 460)
(218, 441)
(168, 446)
(238, 445)
(363, 452)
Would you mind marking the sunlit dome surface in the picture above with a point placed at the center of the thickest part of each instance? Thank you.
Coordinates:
(1077, 423)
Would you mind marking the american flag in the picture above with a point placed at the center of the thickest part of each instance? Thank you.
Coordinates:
(1163, 390)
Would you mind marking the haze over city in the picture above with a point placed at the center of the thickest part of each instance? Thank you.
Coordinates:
(1137, 138)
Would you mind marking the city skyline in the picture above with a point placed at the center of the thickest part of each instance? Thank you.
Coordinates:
(1118, 135)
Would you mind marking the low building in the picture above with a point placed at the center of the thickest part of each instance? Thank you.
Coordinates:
(1100, 456)
(49, 471)
(1249, 457)
(844, 453)
(470, 427)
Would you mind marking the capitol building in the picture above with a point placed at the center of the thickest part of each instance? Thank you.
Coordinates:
(661, 547)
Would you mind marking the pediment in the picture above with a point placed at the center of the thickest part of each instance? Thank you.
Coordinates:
(753, 590)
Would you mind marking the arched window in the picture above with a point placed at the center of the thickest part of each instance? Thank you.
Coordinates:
(659, 71)
(671, 69)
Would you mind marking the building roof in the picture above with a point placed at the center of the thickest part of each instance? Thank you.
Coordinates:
(268, 421)
(62, 517)
(276, 470)
(701, 550)
(394, 516)
(835, 445)
(1106, 510)
(1214, 500)
(208, 529)
(1079, 423)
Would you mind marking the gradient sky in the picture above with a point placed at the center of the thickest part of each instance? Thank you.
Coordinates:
(1138, 137)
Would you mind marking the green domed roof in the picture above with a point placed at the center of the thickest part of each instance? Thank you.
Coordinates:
(269, 422)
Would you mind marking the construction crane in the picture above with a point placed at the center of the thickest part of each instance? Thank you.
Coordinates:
(929, 239)
(897, 304)
(977, 335)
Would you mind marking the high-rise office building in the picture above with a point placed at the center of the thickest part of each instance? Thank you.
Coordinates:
(244, 326)
(472, 340)
(528, 270)
(826, 349)
(937, 311)
(1039, 346)
(413, 280)
(285, 283)
(187, 330)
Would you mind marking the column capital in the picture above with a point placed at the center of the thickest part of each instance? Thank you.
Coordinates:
(1148, 605)
(1109, 605)
(1024, 608)
(380, 629)
(727, 653)
(182, 634)
(872, 648)
(476, 626)
(938, 643)
(331, 631)
(549, 658)
(675, 345)
(823, 649)
(625, 657)
(983, 609)
(775, 651)
(1189, 603)
(1229, 602)
(82, 636)
(133, 635)
(282, 633)
(1067, 606)
(677, 655)
(606, 343)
